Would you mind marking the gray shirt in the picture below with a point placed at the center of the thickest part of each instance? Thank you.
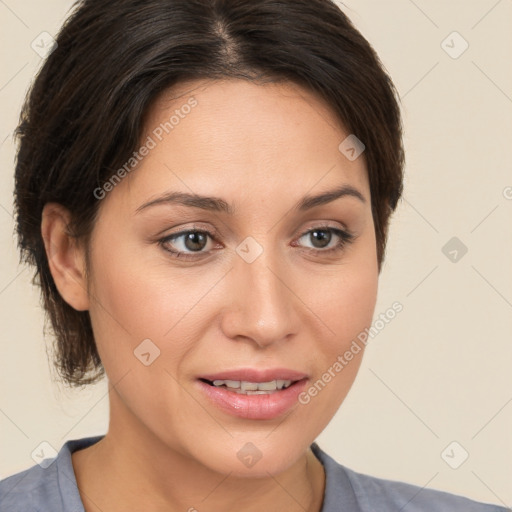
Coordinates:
(51, 487)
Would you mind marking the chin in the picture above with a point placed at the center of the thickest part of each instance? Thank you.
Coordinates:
(251, 455)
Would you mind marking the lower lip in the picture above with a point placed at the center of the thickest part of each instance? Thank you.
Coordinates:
(254, 407)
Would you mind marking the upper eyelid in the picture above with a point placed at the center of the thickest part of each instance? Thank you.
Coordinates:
(215, 233)
(315, 224)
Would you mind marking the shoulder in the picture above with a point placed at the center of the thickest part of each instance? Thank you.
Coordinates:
(30, 490)
(394, 495)
(368, 493)
(48, 486)
(22, 491)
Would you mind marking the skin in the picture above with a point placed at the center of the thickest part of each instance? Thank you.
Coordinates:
(261, 148)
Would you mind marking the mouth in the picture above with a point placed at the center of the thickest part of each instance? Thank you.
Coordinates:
(253, 394)
(244, 387)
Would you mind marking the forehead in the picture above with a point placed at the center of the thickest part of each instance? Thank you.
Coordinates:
(244, 137)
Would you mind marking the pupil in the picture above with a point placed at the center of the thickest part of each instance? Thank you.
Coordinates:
(196, 240)
(323, 236)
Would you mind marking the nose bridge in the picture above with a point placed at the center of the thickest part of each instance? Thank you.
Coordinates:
(262, 305)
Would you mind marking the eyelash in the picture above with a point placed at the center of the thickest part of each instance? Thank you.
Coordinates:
(345, 238)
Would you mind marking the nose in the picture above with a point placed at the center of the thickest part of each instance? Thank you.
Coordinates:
(262, 304)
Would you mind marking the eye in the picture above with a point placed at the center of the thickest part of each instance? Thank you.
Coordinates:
(191, 243)
(192, 240)
(322, 236)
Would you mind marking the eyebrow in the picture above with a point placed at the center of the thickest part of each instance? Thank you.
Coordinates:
(217, 204)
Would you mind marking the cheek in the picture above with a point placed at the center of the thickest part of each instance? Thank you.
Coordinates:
(128, 292)
(350, 303)
(348, 311)
(138, 299)
(346, 305)
(345, 300)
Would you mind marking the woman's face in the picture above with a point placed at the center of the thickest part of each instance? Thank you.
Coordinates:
(269, 286)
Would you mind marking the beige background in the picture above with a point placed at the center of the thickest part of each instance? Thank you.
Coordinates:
(440, 371)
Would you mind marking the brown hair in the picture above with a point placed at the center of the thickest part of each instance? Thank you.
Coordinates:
(84, 114)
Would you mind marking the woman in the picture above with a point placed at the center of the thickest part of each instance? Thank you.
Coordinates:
(204, 188)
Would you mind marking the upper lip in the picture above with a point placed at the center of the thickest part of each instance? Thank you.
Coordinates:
(255, 375)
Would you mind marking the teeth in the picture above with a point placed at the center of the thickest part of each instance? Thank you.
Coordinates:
(249, 386)
(253, 388)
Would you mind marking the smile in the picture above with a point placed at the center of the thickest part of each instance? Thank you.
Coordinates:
(244, 387)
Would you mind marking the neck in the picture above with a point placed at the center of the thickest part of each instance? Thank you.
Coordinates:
(131, 469)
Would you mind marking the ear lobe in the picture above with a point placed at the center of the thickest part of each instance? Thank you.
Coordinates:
(65, 258)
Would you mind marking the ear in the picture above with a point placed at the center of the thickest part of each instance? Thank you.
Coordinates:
(65, 258)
